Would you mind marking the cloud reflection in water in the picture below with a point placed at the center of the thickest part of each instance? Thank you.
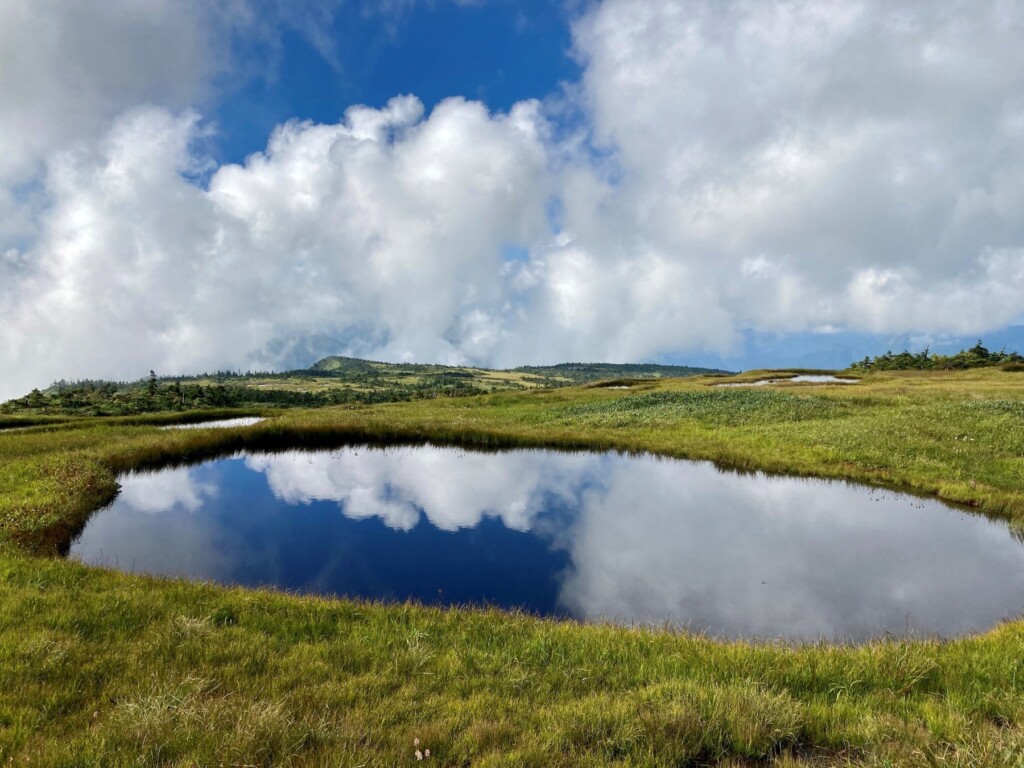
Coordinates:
(594, 536)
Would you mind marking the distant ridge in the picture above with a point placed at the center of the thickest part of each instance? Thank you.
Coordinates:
(576, 373)
(335, 380)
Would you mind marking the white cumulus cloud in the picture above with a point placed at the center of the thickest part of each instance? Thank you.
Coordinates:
(384, 232)
(804, 164)
(782, 167)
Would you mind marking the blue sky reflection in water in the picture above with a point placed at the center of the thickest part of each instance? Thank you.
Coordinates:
(591, 536)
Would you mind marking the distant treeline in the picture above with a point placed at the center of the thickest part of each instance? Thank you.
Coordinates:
(151, 395)
(975, 357)
(219, 377)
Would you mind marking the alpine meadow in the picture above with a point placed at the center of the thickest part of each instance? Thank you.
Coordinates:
(479, 383)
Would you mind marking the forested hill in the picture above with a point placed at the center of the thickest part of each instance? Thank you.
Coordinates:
(331, 381)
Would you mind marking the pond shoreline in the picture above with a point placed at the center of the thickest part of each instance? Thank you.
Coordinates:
(467, 674)
(812, 568)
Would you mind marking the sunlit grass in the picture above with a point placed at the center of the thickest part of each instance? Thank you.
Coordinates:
(103, 668)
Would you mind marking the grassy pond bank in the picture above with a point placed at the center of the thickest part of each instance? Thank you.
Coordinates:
(99, 667)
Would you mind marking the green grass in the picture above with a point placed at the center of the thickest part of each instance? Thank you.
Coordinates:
(731, 408)
(103, 668)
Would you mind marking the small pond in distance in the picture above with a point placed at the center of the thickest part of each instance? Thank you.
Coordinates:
(241, 421)
(804, 378)
(814, 378)
(592, 536)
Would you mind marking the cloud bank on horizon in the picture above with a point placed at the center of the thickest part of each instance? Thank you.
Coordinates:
(719, 167)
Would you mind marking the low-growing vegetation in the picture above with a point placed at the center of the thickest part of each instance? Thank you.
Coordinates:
(105, 668)
(728, 407)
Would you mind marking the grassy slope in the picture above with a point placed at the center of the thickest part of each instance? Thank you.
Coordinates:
(101, 664)
(368, 374)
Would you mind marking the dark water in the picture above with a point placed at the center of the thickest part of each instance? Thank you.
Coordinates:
(589, 536)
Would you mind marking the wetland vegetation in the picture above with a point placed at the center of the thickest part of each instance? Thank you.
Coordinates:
(98, 666)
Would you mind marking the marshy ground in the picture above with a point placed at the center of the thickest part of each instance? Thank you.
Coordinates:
(104, 668)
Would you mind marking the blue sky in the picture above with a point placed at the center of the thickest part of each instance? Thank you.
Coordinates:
(193, 185)
(498, 53)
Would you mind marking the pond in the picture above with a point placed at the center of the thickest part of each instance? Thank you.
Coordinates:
(803, 378)
(589, 536)
(241, 421)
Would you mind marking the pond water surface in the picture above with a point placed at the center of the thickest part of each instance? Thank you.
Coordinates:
(804, 378)
(241, 421)
(632, 539)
